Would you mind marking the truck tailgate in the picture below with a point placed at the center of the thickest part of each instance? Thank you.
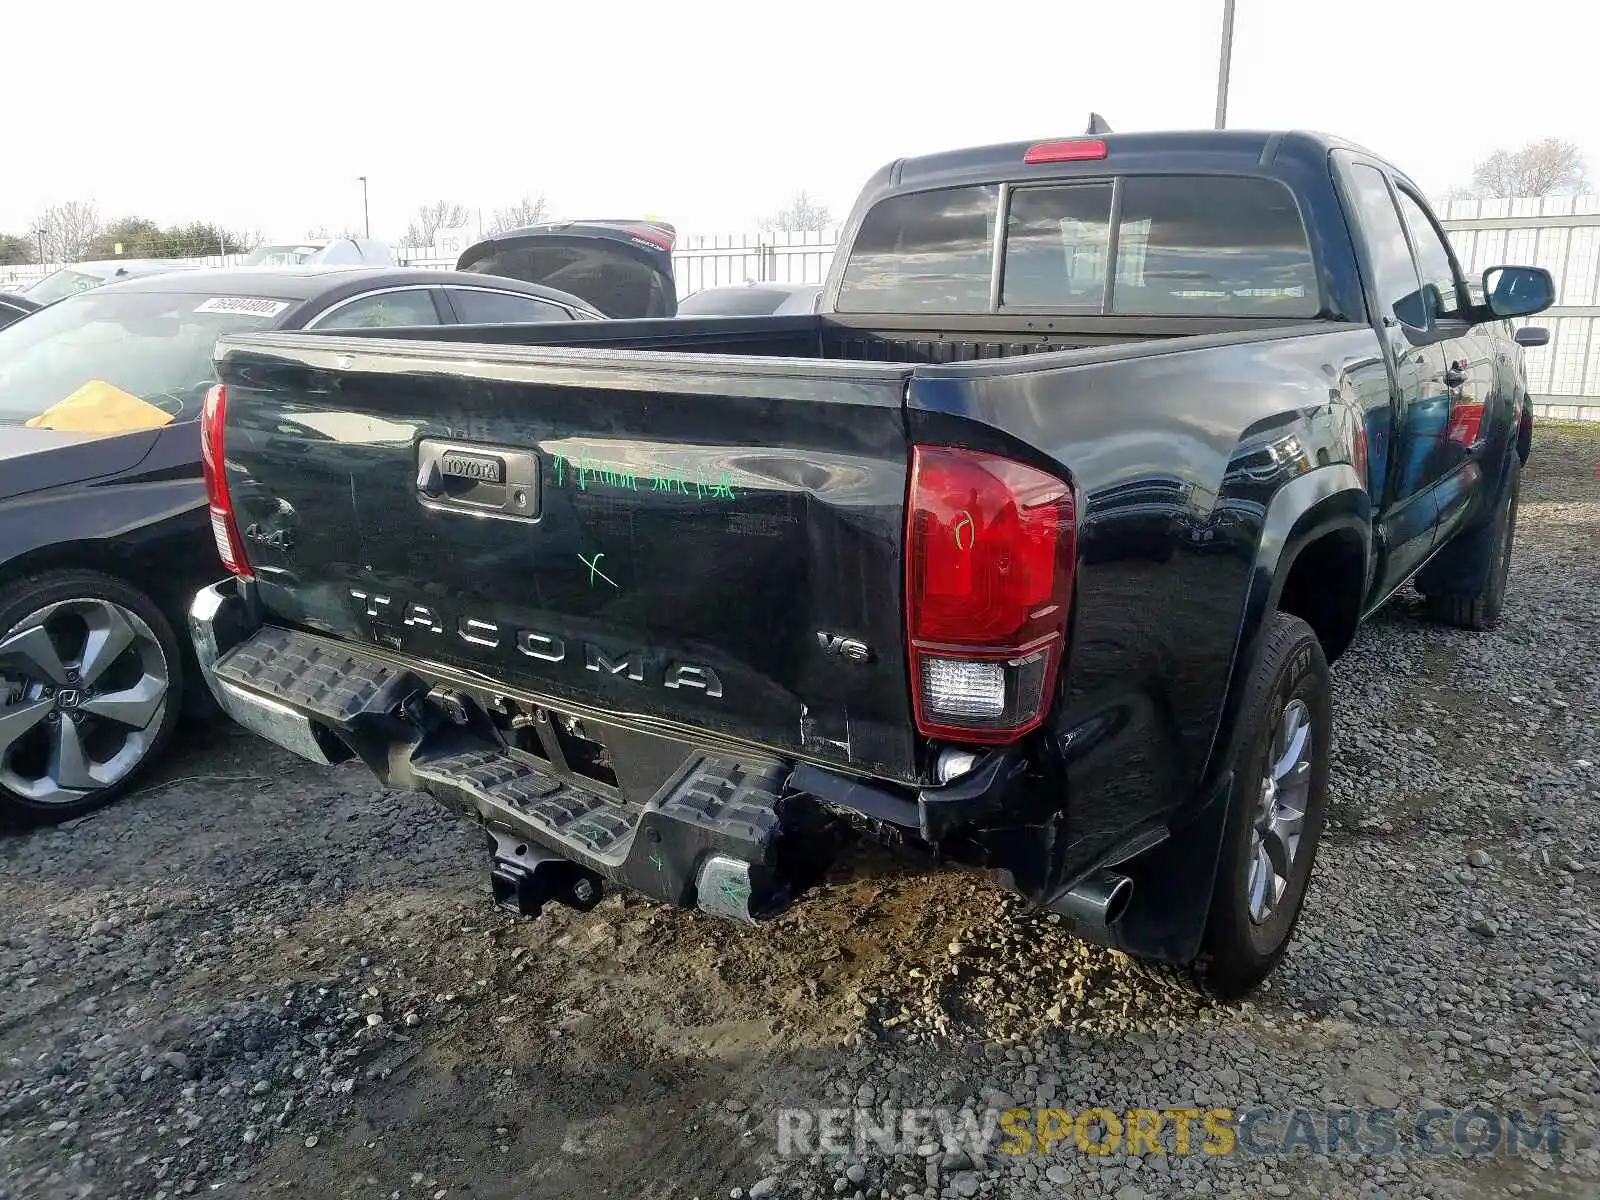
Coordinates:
(689, 541)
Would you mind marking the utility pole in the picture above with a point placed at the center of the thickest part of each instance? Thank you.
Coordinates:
(366, 213)
(1224, 64)
(39, 233)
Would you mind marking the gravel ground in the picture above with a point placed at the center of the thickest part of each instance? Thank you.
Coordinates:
(256, 978)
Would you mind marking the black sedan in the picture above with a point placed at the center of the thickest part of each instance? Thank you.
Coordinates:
(751, 300)
(104, 533)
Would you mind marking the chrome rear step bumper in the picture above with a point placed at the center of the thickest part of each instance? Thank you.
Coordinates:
(703, 829)
(216, 627)
(706, 838)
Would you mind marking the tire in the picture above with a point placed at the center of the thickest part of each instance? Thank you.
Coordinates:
(1288, 689)
(1482, 554)
(91, 689)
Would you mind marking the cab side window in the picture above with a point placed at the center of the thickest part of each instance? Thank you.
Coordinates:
(1433, 258)
(1396, 283)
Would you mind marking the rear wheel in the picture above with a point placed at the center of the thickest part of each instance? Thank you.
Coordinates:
(1275, 814)
(1482, 554)
(90, 690)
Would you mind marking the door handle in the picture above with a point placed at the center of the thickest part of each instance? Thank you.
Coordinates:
(430, 479)
(1454, 377)
(492, 481)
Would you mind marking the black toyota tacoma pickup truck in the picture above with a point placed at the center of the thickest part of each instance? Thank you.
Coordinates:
(1028, 551)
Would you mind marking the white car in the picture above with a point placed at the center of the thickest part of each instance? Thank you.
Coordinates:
(80, 277)
(332, 252)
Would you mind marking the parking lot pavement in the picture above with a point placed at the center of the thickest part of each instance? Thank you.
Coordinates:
(256, 978)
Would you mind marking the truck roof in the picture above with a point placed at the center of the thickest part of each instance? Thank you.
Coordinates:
(1207, 149)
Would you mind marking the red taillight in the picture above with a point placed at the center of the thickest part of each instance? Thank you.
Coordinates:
(224, 525)
(990, 548)
(1067, 150)
(660, 235)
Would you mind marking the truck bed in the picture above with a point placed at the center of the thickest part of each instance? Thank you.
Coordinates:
(912, 340)
(710, 500)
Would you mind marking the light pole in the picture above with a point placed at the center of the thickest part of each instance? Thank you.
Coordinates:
(1223, 65)
(366, 213)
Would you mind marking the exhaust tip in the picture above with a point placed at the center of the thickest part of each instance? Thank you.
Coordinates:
(1119, 899)
(1101, 900)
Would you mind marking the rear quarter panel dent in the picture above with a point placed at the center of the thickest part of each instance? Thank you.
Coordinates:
(1192, 467)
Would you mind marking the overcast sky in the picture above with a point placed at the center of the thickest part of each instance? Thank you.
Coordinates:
(260, 114)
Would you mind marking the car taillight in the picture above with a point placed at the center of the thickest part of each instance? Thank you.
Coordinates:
(990, 551)
(224, 524)
(658, 233)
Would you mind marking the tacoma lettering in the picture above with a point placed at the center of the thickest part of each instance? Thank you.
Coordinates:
(633, 664)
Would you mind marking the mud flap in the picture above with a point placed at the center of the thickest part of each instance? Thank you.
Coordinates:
(1172, 885)
(1465, 565)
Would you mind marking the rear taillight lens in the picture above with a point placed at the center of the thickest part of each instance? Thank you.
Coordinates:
(657, 233)
(990, 548)
(224, 524)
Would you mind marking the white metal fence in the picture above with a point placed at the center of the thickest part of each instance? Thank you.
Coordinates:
(1561, 233)
(700, 260)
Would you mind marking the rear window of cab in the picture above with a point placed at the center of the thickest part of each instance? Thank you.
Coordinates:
(1183, 245)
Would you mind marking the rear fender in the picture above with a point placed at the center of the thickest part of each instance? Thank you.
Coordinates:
(1320, 502)
(1173, 881)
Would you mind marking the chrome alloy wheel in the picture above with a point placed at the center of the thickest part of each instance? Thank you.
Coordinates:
(1281, 810)
(83, 690)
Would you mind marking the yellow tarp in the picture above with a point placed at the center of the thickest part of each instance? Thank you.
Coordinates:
(100, 407)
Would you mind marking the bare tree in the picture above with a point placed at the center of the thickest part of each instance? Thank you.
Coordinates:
(800, 215)
(67, 229)
(430, 219)
(1548, 167)
(16, 251)
(530, 210)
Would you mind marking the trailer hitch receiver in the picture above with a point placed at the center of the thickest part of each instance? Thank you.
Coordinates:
(525, 877)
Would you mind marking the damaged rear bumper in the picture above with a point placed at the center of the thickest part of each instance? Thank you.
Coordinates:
(731, 832)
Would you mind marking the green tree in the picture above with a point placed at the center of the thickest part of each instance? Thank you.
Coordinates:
(202, 238)
(126, 237)
(16, 251)
(140, 237)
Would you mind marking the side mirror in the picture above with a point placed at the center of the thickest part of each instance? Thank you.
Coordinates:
(1518, 291)
(1531, 335)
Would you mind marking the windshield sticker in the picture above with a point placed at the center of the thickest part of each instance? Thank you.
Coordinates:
(243, 306)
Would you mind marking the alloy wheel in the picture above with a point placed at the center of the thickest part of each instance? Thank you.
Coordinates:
(83, 691)
(1280, 811)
